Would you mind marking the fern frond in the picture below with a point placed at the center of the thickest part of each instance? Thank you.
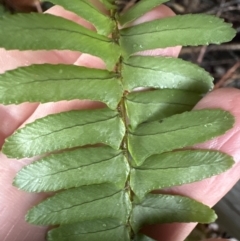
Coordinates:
(105, 162)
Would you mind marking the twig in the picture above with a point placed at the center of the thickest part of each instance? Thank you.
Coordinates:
(228, 75)
(223, 6)
(225, 47)
(201, 54)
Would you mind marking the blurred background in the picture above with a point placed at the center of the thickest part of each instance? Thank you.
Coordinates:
(223, 62)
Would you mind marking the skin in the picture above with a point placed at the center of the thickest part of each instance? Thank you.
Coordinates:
(15, 203)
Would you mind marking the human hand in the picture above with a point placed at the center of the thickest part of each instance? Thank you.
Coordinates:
(14, 203)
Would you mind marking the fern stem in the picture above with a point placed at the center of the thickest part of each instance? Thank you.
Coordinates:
(123, 115)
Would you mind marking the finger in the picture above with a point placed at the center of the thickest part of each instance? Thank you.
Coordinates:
(12, 59)
(211, 190)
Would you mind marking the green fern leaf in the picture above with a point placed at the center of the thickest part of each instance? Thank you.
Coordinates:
(177, 131)
(2, 10)
(162, 72)
(50, 83)
(61, 34)
(177, 168)
(159, 104)
(66, 130)
(141, 237)
(109, 4)
(157, 208)
(89, 12)
(172, 31)
(139, 9)
(73, 169)
(83, 203)
(113, 157)
(106, 229)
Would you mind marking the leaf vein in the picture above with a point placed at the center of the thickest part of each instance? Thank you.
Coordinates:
(185, 167)
(169, 103)
(108, 229)
(62, 30)
(82, 166)
(87, 202)
(164, 132)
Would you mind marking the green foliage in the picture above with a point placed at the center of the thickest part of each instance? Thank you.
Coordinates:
(160, 104)
(177, 131)
(180, 30)
(109, 160)
(61, 34)
(106, 229)
(61, 82)
(177, 168)
(161, 73)
(138, 10)
(82, 203)
(159, 208)
(61, 131)
(73, 169)
(89, 12)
